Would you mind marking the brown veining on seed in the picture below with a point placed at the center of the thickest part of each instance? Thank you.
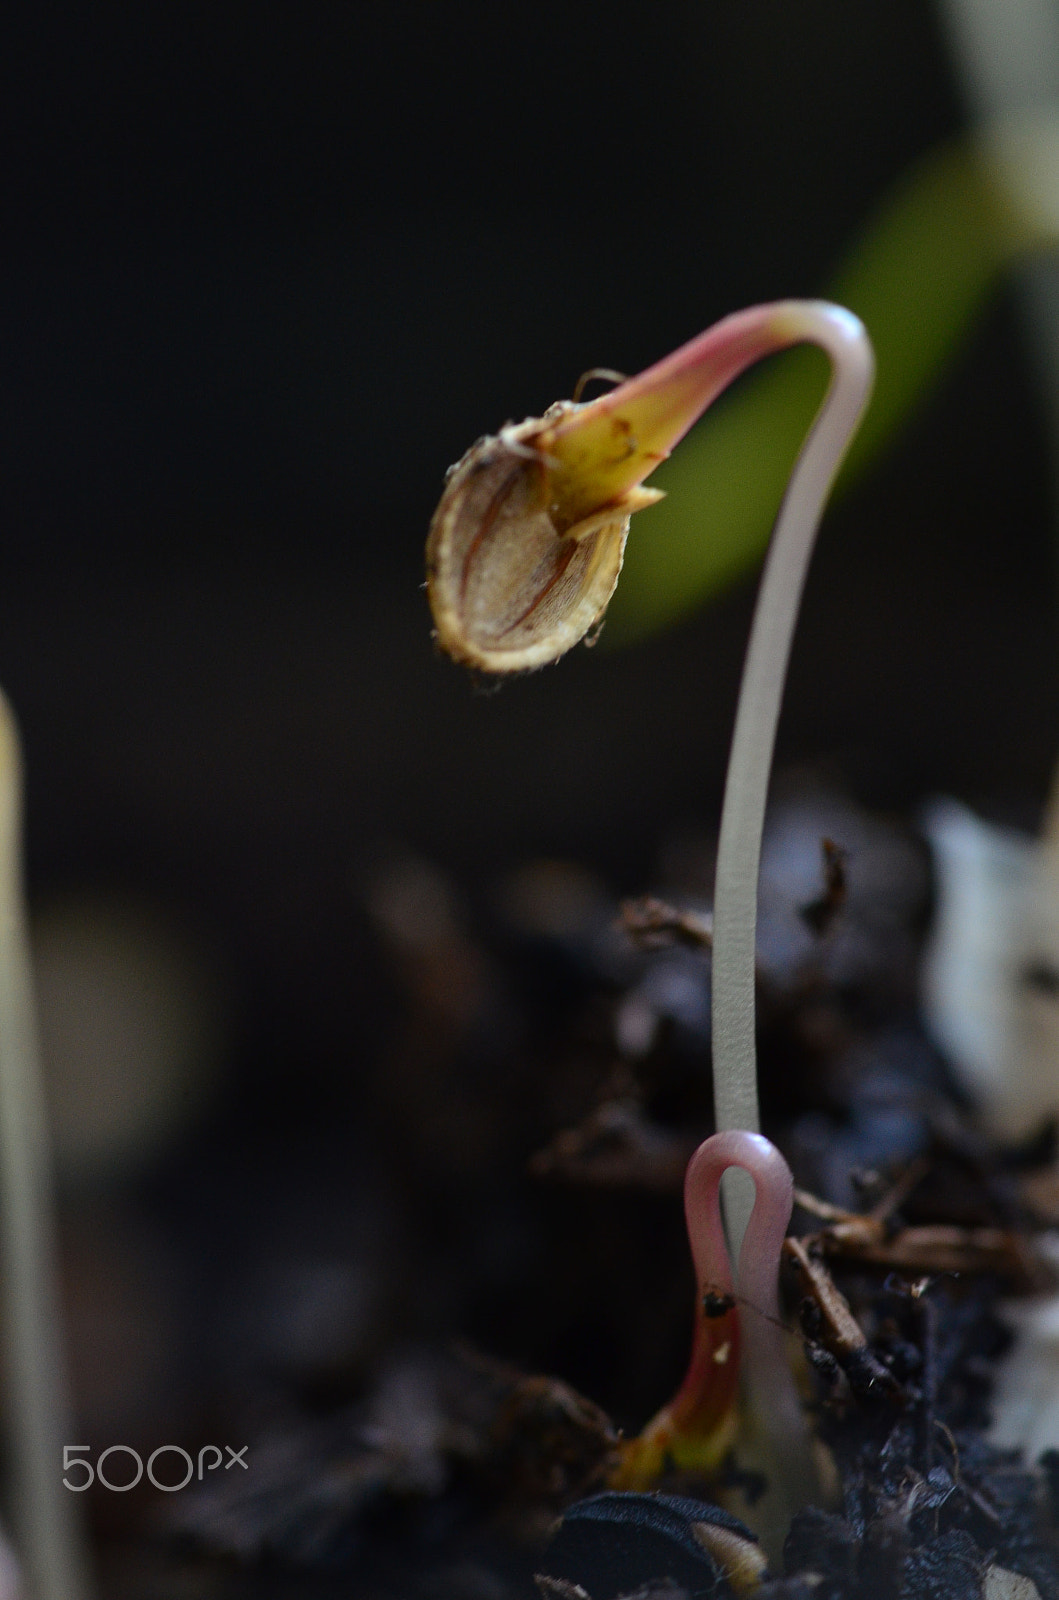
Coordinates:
(492, 512)
(565, 557)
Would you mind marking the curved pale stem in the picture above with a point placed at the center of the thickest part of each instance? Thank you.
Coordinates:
(842, 336)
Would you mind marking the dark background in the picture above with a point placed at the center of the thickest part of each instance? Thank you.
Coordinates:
(263, 275)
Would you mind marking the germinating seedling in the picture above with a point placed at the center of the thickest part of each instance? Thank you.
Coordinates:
(524, 553)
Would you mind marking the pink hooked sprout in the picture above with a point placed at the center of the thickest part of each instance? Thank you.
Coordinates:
(737, 1327)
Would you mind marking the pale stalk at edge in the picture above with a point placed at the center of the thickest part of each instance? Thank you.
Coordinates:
(46, 1516)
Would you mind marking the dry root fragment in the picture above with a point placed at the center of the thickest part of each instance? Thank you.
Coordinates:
(871, 1238)
(617, 1146)
(934, 1250)
(654, 924)
(820, 914)
(835, 1326)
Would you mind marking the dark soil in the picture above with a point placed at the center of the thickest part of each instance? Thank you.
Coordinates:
(510, 1286)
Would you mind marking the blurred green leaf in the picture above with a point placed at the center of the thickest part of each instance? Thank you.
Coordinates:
(917, 277)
